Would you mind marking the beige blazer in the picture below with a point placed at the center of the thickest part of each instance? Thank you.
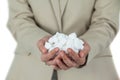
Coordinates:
(95, 21)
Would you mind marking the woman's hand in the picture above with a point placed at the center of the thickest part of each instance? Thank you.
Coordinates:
(62, 61)
(79, 58)
(65, 61)
(46, 56)
(73, 59)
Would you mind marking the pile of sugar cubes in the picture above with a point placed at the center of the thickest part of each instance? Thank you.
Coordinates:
(63, 42)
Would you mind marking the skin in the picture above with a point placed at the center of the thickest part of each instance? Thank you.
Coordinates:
(62, 61)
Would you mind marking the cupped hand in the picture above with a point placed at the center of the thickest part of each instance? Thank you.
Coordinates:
(63, 61)
(79, 58)
(71, 59)
(46, 56)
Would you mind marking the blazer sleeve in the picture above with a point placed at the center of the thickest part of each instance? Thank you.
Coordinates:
(103, 27)
(23, 27)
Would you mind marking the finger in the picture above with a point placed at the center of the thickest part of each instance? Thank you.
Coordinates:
(41, 46)
(43, 49)
(73, 55)
(41, 42)
(53, 62)
(85, 51)
(50, 55)
(53, 53)
(82, 61)
(87, 46)
(81, 54)
(61, 65)
(67, 61)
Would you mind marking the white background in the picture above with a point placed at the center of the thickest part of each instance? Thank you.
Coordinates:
(8, 44)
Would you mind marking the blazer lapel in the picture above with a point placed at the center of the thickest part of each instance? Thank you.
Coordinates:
(56, 10)
(58, 7)
(63, 4)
